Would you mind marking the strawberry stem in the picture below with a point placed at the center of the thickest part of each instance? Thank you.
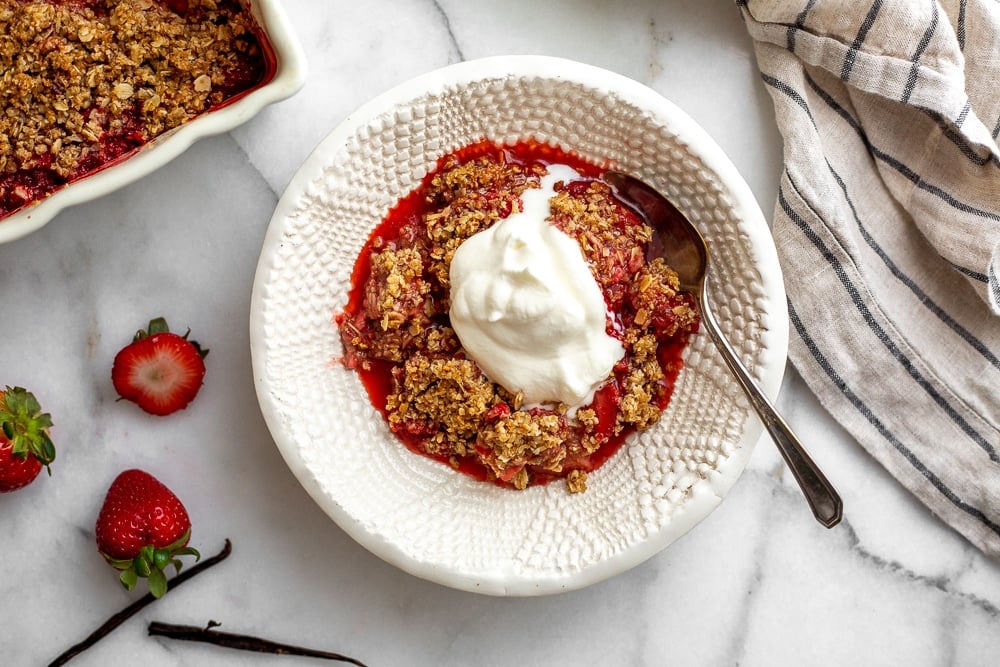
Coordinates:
(157, 325)
(112, 623)
(240, 642)
(26, 426)
(150, 563)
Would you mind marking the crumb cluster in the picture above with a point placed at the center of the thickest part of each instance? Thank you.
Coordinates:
(84, 82)
(440, 401)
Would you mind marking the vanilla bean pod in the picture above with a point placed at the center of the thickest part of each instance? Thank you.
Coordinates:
(208, 635)
(112, 623)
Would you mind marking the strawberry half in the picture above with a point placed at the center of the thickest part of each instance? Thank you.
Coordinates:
(25, 445)
(159, 371)
(143, 528)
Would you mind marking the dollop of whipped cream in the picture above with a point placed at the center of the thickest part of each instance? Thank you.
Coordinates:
(527, 309)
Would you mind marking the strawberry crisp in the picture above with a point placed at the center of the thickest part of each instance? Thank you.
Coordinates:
(85, 82)
(437, 400)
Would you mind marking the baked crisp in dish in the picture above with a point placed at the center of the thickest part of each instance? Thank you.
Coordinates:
(84, 83)
(398, 335)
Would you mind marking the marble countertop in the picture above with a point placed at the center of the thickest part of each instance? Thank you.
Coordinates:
(759, 582)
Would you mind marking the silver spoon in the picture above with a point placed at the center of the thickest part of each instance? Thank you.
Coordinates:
(683, 247)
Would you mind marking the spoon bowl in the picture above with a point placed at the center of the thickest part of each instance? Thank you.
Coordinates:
(682, 246)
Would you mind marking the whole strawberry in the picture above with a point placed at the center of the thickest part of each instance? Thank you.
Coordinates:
(25, 445)
(143, 528)
(159, 371)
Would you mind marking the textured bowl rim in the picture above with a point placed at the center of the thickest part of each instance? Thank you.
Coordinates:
(707, 493)
(289, 77)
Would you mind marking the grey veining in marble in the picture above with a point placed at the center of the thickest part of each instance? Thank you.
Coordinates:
(757, 583)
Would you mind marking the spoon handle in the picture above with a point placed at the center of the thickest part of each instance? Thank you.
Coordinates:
(824, 500)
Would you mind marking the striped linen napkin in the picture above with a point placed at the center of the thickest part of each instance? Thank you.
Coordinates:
(887, 226)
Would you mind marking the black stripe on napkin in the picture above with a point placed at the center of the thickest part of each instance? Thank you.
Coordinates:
(963, 114)
(975, 275)
(800, 22)
(911, 81)
(904, 361)
(880, 427)
(960, 31)
(967, 148)
(859, 40)
(994, 283)
(791, 93)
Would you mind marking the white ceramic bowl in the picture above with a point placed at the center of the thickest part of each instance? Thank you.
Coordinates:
(288, 78)
(418, 514)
